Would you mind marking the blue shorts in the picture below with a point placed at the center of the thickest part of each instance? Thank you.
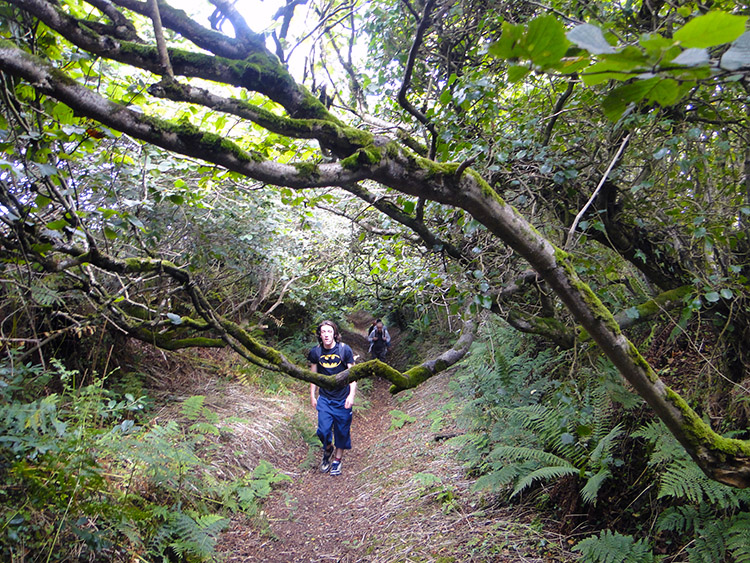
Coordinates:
(334, 421)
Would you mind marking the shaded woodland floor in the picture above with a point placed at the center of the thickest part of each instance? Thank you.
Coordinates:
(402, 496)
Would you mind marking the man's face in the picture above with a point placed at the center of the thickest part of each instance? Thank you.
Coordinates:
(379, 326)
(326, 335)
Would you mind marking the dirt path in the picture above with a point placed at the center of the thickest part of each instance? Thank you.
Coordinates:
(402, 497)
(312, 520)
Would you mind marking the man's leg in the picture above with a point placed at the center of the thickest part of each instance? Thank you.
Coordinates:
(324, 431)
(342, 422)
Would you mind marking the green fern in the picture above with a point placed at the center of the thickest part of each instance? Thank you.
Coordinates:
(685, 518)
(709, 544)
(188, 536)
(738, 538)
(590, 491)
(711, 517)
(528, 429)
(609, 547)
(46, 296)
(543, 474)
(192, 407)
(684, 479)
(605, 444)
(522, 453)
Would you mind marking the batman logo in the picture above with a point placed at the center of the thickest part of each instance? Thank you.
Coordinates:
(329, 361)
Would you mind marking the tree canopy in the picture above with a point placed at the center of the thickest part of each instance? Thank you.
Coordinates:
(576, 168)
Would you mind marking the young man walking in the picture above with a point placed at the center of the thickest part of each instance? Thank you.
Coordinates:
(329, 357)
(379, 339)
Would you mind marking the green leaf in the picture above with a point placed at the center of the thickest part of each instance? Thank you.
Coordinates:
(738, 55)
(712, 297)
(110, 233)
(545, 41)
(726, 293)
(567, 438)
(42, 201)
(569, 65)
(591, 38)
(57, 225)
(63, 113)
(42, 248)
(618, 66)
(517, 73)
(46, 169)
(509, 44)
(617, 101)
(446, 97)
(711, 29)
(664, 92)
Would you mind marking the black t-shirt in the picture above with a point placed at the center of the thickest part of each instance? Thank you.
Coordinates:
(330, 362)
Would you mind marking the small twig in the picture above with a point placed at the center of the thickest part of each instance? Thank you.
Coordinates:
(583, 210)
(161, 44)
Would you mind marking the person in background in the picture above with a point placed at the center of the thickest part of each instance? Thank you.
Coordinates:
(329, 357)
(379, 339)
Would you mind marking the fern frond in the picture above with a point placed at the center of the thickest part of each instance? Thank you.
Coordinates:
(610, 547)
(46, 296)
(593, 484)
(738, 538)
(606, 444)
(526, 416)
(521, 453)
(504, 476)
(197, 537)
(599, 402)
(611, 381)
(683, 518)
(666, 448)
(684, 479)
(543, 474)
(192, 407)
(709, 545)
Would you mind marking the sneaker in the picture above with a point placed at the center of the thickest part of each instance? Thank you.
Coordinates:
(325, 465)
(336, 467)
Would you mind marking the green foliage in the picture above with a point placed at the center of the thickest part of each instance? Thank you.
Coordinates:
(610, 547)
(710, 517)
(528, 429)
(665, 69)
(190, 536)
(430, 485)
(399, 419)
(83, 475)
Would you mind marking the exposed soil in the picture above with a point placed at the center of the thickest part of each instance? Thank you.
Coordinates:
(402, 495)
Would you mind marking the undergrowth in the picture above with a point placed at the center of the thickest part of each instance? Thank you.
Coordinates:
(534, 425)
(84, 475)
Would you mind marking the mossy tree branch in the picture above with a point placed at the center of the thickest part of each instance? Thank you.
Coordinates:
(230, 334)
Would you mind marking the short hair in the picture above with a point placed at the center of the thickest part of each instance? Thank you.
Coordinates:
(336, 334)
